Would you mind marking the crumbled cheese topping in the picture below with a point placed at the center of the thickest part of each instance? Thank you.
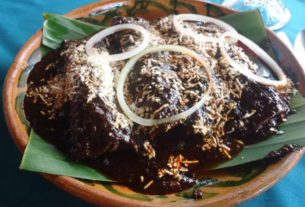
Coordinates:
(52, 95)
(151, 153)
(166, 83)
(176, 166)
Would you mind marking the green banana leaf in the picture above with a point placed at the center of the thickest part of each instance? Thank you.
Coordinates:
(294, 133)
(41, 156)
(58, 28)
(250, 25)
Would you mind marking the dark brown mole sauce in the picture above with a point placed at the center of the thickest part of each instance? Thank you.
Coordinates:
(127, 164)
(131, 168)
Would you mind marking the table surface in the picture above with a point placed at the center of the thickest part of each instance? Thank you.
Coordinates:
(19, 19)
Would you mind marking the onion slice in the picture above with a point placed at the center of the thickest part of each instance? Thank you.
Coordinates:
(261, 54)
(129, 66)
(111, 30)
(178, 19)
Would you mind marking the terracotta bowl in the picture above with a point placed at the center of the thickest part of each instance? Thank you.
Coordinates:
(241, 186)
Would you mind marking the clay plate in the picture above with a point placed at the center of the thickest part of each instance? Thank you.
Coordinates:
(241, 186)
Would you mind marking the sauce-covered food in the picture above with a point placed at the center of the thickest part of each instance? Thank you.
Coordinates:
(150, 104)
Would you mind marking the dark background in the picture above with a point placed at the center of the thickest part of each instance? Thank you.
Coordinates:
(18, 21)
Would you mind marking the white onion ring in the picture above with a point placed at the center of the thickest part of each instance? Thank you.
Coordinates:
(129, 66)
(177, 19)
(110, 30)
(261, 54)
